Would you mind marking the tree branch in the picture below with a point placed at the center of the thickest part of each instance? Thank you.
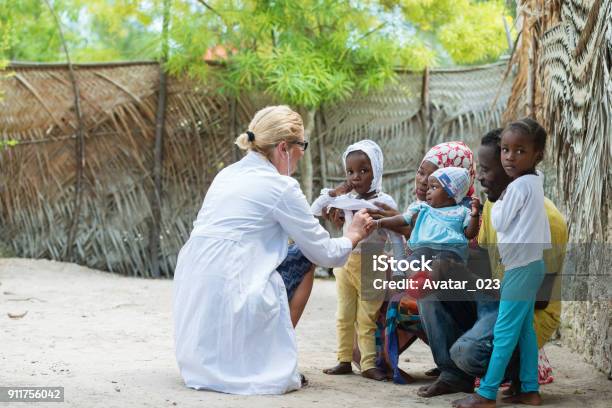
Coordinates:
(80, 144)
(202, 2)
(372, 31)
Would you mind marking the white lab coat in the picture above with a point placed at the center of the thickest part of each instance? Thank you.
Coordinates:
(233, 329)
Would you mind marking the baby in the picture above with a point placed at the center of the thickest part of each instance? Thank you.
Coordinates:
(441, 226)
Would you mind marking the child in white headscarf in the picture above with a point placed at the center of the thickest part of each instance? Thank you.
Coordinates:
(363, 162)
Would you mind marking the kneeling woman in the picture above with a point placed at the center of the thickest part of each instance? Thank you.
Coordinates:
(239, 289)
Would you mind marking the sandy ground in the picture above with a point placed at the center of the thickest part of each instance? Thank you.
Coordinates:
(108, 340)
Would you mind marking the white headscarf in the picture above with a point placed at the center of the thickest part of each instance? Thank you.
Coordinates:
(374, 153)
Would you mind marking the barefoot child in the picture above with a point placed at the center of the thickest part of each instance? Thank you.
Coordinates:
(441, 226)
(363, 162)
(523, 232)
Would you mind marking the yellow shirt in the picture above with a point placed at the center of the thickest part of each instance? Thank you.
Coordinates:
(546, 321)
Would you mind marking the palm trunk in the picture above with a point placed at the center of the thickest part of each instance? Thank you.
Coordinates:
(306, 162)
(160, 120)
(79, 147)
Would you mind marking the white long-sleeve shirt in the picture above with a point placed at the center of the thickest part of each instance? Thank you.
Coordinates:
(233, 329)
(523, 232)
(377, 237)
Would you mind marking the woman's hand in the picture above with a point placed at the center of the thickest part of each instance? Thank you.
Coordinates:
(360, 228)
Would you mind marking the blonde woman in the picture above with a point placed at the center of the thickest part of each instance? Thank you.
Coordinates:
(239, 289)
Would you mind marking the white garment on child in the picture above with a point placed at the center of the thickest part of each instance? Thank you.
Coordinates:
(380, 236)
(523, 231)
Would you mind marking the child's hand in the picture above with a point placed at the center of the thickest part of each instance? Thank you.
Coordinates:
(475, 207)
(334, 215)
(384, 211)
(372, 225)
(342, 189)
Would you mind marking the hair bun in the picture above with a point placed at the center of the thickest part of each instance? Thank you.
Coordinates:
(242, 142)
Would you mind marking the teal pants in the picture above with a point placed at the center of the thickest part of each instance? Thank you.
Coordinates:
(515, 325)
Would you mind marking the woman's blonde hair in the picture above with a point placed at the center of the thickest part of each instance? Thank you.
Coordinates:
(270, 126)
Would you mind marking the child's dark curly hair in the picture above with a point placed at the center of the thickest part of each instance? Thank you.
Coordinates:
(531, 128)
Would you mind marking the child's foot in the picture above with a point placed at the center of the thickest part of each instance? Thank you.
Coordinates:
(440, 388)
(527, 398)
(374, 374)
(474, 401)
(341, 369)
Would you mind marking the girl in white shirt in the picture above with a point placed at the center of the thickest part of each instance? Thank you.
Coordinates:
(523, 234)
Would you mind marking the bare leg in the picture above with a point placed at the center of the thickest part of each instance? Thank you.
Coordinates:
(300, 296)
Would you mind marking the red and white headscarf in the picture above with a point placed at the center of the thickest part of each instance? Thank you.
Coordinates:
(453, 154)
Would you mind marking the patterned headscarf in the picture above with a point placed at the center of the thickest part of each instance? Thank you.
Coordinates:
(374, 153)
(453, 154)
(454, 180)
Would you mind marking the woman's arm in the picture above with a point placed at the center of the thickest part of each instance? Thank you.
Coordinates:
(294, 215)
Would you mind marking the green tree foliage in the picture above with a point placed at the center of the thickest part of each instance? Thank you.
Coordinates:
(4, 43)
(119, 30)
(304, 53)
(32, 33)
(436, 31)
(95, 30)
(469, 31)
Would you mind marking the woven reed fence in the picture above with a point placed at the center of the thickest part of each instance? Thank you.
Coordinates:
(37, 181)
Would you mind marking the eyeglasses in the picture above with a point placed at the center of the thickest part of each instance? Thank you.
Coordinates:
(303, 145)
